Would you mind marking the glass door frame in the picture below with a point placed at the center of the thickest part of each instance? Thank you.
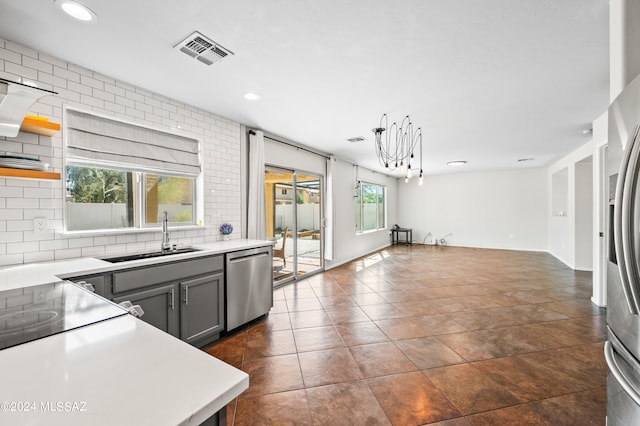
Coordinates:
(294, 175)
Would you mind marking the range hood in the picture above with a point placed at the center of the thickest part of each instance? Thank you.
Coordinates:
(15, 101)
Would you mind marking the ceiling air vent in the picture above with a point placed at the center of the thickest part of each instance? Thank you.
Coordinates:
(357, 139)
(203, 49)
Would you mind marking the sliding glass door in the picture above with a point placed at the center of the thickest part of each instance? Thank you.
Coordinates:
(294, 220)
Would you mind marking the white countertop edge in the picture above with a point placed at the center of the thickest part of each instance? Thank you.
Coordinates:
(27, 275)
(125, 370)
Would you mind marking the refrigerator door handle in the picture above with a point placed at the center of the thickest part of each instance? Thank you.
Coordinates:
(625, 189)
(618, 374)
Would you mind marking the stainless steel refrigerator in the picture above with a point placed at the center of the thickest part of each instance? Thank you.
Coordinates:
(622, 350)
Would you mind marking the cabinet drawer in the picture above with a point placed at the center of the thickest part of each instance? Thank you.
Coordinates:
(161, 273)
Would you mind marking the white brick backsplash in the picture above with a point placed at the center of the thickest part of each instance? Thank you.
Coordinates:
(132, 112)
(54, 244)
(80, 242)
(11, 236)
(91, 101)
(77, 87)
(110, 88)
(13, 248)
(91, 82)
(38, 256)
(135, 96)
(11, 191)
(21, 199)
(101, 94)
(67, 254)
(11, 259)
(37, 150)
(68, 95)
(51, 60)
(93, 251)
(33, 213)
(103, 241)
(10, 56)
(23, 50)
(123, 239)
(37, 64)
(115, 248)
(119, 109)
(21, 225)
(11, 214)
(37, 192)
(80, 70)
(104, 78)
(38, 236)
(137, 247)
(66, 74)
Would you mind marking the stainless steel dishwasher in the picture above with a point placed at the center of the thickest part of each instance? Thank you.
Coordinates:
(249, 285)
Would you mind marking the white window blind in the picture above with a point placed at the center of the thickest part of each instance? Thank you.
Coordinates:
(107, 141)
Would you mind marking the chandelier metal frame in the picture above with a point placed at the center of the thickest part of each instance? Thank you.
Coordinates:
(396, 150)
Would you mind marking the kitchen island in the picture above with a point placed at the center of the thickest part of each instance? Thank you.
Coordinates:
(121, 370)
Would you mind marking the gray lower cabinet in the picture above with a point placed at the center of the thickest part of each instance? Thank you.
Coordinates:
(201, 307)
(185, 299)
(159, 308)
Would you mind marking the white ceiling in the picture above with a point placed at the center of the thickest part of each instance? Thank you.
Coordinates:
(489, 81)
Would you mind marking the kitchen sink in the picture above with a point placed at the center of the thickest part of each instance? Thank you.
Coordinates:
(150, 254)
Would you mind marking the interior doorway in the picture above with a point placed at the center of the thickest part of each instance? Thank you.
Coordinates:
(294, 221)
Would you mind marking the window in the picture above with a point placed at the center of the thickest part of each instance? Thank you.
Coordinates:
(370, 207)
(120, 175)
(101, 198)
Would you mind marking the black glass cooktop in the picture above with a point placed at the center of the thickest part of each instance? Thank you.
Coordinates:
(31, 313)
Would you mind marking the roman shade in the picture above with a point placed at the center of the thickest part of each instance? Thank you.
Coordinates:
(116, 143)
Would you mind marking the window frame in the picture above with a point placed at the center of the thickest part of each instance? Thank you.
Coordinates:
(379, 190)
(139, 201)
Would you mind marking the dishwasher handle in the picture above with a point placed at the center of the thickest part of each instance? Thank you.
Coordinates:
(247, 257)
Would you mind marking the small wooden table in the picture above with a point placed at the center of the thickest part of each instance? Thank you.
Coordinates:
(408, 235)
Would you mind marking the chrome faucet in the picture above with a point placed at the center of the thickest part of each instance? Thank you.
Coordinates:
(166, 245)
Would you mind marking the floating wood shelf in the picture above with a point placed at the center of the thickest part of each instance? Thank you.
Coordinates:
(28, 174)
(39, 126)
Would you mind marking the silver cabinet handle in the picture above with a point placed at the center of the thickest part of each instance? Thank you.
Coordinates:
(171, 299)
(618, 374)
(186, 295)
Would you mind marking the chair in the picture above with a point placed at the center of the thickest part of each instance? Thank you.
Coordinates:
(279, 252)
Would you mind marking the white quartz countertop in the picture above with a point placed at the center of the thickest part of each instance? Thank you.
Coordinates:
(118, 372)
(42, 273)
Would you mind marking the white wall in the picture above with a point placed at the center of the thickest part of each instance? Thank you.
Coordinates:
(563, 232)
(584, 215)
(347, 244)
(504, 210)
(21, 200)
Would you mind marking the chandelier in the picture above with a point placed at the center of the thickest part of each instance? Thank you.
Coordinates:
(395, 150)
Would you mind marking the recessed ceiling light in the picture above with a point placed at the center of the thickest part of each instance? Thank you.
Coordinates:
(76, 10)
(251, 96)
(456, 163)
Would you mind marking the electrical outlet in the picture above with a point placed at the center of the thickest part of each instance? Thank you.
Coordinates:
(39, 224)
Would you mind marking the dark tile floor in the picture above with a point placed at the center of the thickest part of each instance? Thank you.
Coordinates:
(426, 335)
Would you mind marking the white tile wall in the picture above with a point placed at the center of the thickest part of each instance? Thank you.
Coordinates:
(21, 200)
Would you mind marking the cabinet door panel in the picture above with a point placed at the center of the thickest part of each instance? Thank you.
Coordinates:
(158, 305)
(202, 307)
